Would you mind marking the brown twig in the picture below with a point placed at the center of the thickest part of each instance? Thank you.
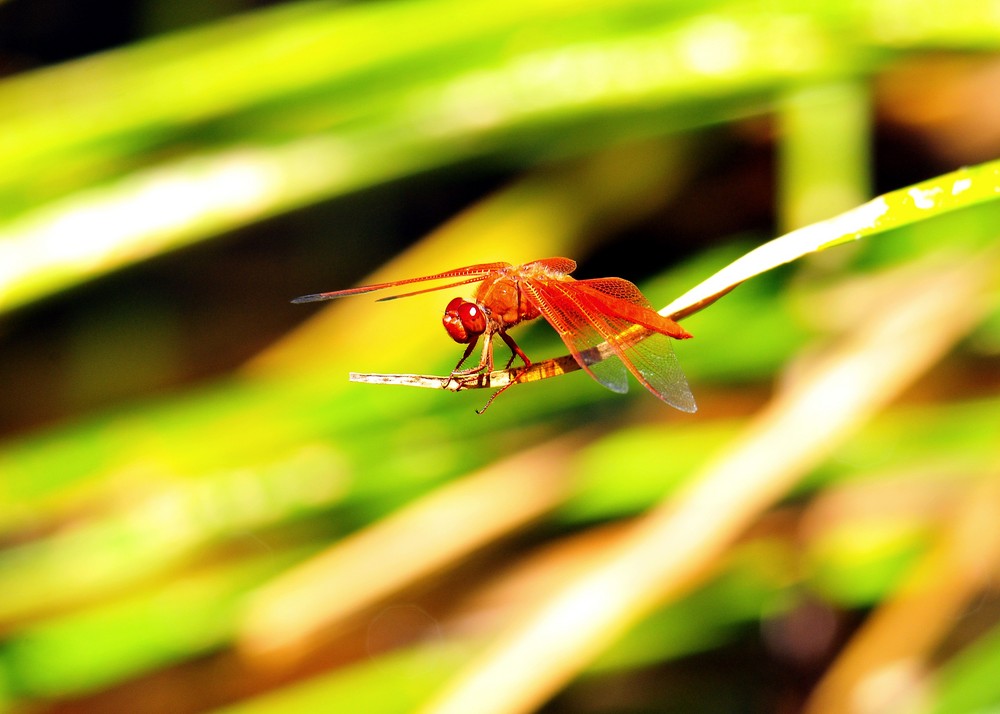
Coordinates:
(534, 372)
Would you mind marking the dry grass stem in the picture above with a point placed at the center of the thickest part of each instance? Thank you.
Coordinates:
(288, 614)
(886, 662)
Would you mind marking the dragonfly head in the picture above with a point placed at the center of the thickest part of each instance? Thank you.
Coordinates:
(464, 321)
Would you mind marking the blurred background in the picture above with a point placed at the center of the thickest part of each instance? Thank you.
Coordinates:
(199, 513)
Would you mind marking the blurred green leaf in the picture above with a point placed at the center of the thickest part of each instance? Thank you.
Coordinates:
(968, 682)
(365, 687)
(83, 651)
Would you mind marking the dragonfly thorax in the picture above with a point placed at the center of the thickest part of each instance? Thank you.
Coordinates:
(505, 302)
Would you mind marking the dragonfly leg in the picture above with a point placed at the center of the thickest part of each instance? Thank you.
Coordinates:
(486, 361)
(468, 351)
(515, 352)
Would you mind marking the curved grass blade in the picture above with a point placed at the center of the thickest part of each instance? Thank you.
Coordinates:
(950, 192)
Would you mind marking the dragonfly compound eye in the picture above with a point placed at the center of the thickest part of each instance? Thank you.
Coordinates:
(465, 321)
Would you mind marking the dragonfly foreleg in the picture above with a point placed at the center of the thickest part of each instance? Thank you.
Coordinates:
(468, 351)
(485, 362)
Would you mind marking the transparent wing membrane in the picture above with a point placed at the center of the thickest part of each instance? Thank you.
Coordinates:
(474, 273)
(606, 313)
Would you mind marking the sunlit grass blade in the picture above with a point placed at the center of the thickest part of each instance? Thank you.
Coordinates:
(928, 199)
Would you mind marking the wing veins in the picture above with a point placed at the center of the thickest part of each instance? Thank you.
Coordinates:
(649, 358)
(478, 272)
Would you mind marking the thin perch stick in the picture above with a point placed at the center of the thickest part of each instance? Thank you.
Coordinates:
(459, 382)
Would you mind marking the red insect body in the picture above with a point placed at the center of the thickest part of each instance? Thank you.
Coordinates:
(591, 316)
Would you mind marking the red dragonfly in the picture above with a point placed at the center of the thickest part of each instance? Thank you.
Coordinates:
(591, 316)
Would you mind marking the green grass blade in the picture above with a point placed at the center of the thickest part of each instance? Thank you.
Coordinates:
(965, 188)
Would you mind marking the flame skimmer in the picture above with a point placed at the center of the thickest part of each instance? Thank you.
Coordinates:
(606, 315)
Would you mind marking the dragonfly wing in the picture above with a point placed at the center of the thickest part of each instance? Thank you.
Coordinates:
(556, 265)
(578, 332)
(618, 288)
(585, 320)
(654, 363)
(472, 273)
(638, 309)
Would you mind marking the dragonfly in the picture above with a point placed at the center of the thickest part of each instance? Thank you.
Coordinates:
(607, 324)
